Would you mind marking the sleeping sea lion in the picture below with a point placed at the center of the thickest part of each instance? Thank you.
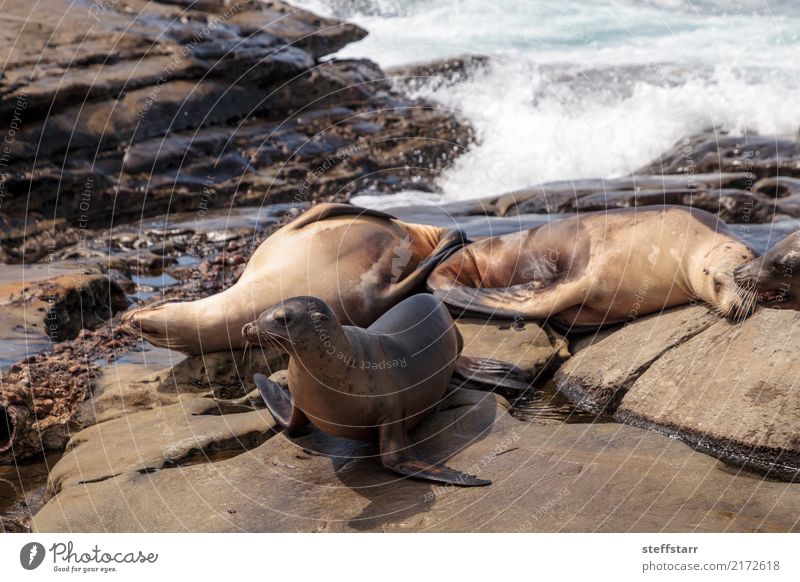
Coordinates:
(361, 262)
(600, 268)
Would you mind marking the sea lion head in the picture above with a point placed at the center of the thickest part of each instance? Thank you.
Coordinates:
(717, 285)
(772, 276)
(294, 323)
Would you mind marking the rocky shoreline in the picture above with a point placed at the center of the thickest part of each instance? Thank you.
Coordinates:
(248, 127)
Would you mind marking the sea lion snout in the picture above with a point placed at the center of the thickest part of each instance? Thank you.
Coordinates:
(746, 276)
(291, 318)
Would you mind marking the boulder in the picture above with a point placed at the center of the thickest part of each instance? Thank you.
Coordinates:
(60, 306)
(760, 155)
(731, 391)
(590, 477)
(157, 107)
(598, 376)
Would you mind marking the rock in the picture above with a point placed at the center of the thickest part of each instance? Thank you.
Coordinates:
(225, 375)
(598, 376)
(526, 345)
(730, 391)
(732, 206)
(28, 238)
(543, 476)
(157, 378)
(40, 395)
(440, 72)
(128, 387)
(66, 304)
(165, 108)
(764, 156)
(166, 436)
(784, 191)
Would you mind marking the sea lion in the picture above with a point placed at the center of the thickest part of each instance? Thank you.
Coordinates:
(775, 276)
(360, 261)
(600, 268)
(363, 384)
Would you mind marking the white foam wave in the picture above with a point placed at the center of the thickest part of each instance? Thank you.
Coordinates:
(590, 88)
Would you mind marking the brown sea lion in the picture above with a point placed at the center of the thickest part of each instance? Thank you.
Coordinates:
(360, 261)
(363, 384)
(600, 268)
(775, 276)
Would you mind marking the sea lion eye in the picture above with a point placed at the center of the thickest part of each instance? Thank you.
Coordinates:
(717, 285)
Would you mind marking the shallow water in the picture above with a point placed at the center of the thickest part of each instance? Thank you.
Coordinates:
(22, 487)
(547, 403)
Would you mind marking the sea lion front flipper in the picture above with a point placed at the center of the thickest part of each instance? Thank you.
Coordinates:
(493, 373)
(399, 455)
(280, 404)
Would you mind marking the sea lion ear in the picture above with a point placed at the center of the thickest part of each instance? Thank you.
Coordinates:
(319, 316)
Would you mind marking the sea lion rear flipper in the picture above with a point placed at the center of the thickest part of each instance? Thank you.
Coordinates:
(466, 301)
(398, 455)
(512, 302)
(494, 373)
(280, 404)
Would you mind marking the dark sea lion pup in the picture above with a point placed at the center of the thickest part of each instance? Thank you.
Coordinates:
(775, 276)
(364, 384)
(360, 261)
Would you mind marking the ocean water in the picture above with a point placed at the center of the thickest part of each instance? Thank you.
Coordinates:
(587, 89)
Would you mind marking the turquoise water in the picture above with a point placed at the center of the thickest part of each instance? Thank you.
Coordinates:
(577, 89)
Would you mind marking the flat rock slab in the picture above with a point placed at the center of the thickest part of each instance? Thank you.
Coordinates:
(150, 440)
(525, 344)
(730, 390)
(598, 376)
(593, 477)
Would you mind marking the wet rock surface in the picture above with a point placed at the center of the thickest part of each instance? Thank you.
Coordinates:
(543, 476)
(725, 389)
(743, 180)
(156, 144)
